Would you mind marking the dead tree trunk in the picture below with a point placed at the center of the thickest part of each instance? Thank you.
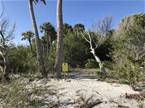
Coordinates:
(89, 40)
(5, 64)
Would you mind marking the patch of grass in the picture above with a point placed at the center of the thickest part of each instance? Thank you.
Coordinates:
(16, 95)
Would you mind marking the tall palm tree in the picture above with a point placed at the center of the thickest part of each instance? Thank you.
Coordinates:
(49, 33)
(37, 40)
(59, 46)
(28, 36)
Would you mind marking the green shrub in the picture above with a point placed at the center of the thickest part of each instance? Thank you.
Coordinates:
(129, 72)
(22, 60)
(91, 63)
(50, 58)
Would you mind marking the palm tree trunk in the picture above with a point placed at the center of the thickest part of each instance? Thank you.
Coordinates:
(37, 41)
(59, 47)
(30, 45)
(47, 43)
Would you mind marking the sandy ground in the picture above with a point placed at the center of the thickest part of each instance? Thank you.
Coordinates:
(72, 93)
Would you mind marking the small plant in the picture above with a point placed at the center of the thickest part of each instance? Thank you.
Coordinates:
(91, 63)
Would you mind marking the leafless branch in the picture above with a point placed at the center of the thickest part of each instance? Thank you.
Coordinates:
(103, 26)
(2, 13)
(89, 40)
(11, 32)
(85, 37)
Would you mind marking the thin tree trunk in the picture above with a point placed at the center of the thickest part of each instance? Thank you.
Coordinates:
(47, 43)
(30, 45)
(59, 47)
(49, 38)
(37, 41)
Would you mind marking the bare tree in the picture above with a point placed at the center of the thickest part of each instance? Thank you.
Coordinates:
(101, 30)
(6, 35)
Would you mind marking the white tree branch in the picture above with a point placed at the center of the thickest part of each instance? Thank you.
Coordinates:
(92, 49)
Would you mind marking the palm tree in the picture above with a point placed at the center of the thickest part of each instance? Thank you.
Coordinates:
(28, 36)
(79, 27)
(59, 46)
(43, 43)
(37, 40)
(67, 28)
(49, 33)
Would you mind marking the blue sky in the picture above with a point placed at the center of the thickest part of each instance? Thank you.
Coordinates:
(74, 11)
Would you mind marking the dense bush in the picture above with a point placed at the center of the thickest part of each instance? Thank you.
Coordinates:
(91, 63)
(76, 50)
(50, 57)
(128, 73)
(128, 49)
(22, 60)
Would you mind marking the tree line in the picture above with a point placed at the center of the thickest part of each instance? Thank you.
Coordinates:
(118, 53)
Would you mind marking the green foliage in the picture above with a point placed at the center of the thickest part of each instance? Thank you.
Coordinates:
(79, 27)
(76, 50)
(128, 49)
(47, 43)
(67, 29)
(49, 31)
(105, 48)
(128, 72)
(22, 60)
(91, 63)
(123, 52)
(50, 57)
(27, 35)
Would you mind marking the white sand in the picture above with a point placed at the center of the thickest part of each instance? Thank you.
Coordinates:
(112, 95)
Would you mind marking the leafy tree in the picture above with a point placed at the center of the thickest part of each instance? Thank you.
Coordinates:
(28, 36)
(131, 37)
(128, 45)
(75, 49)
(49, 34)
(79, 28)
(67, 29)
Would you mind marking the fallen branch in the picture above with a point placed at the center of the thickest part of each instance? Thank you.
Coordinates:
(137, 96)
(91, 104)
